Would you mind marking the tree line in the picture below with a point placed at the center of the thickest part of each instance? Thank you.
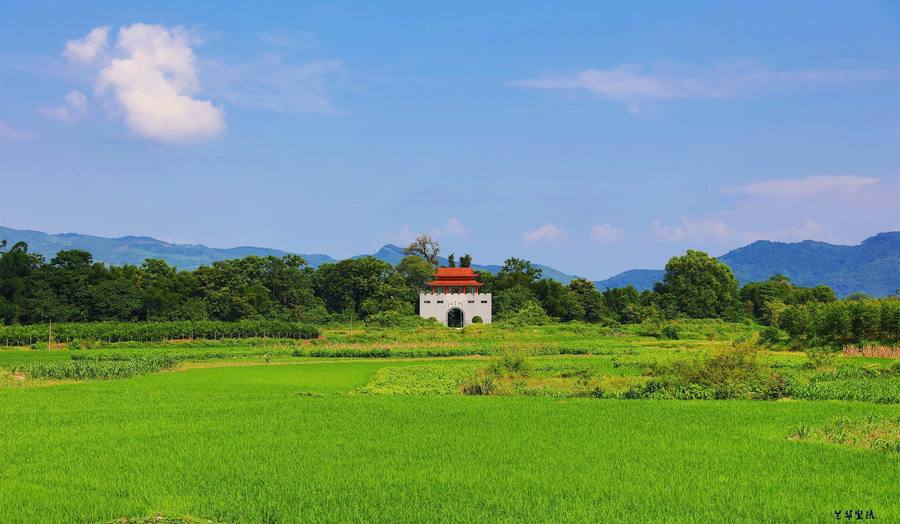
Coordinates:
(72, 287)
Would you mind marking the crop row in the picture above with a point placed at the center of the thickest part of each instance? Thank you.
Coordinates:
(95, 369)
(151, 331)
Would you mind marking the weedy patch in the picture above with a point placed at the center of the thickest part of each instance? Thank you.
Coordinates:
(878, 433)
(428, 379)
(161, 519)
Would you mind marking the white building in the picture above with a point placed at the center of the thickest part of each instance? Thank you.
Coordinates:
(454, 299)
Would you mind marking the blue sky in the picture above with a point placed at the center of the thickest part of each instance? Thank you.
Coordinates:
(591, 138)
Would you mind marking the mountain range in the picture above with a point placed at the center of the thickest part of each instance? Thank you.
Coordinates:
(871, 267)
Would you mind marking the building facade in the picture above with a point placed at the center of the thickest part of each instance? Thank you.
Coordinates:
(454, 298)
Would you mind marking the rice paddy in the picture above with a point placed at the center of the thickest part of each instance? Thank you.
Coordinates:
(244, 437)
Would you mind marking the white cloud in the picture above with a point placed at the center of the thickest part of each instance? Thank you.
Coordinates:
(606, 233)
(453, 228)
(548, 233)
(693, 230)
(8, 132)
(74, 109)
(270, 84)
(151, 76)
(89, 48)
(790, 188)
(153, 82)
(632, 83)
(807, 229)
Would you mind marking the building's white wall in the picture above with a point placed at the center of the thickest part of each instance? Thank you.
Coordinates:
(472, 304)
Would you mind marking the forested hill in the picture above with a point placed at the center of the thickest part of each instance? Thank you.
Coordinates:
(872, 267)
(133, 250)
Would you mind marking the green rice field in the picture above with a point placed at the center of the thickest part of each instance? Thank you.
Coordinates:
(232, 435)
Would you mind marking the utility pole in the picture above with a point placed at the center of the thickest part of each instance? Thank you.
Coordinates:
(50, 335)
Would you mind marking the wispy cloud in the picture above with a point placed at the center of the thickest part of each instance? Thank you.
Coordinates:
(280, 37)
(792, 188)
(688, 229)
(806, 229)
(606, 233)
(634, 83)
(271, 84)
(74, 109)
(452, 228)
(548, 233)
(8, 132)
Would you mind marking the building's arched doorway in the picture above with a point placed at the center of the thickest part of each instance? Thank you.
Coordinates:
(455, 318)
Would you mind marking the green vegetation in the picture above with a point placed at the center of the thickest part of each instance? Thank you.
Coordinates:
(274, 297)
(871, 432)
(79, 334)
(287, 443)
(97, 368)
(532, 423)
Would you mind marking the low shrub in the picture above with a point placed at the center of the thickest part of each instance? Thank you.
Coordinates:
(730, 374)
(669, 331)
(532, 314)
(477, 320)
(482, 384)
(819, 358)
(511, 363)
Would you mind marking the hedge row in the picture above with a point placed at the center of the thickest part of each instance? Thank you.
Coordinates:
(150, 331)
(843, 322)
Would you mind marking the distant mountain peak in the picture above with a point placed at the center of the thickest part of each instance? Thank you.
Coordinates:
(871, 267)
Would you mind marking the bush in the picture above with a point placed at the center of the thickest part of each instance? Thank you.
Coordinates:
(819, 358)
(482, 384)
(769, 337)
(394, 319)
(511, 363)
(532, 314)
(477, 320)
(734, 373)
(669, 331)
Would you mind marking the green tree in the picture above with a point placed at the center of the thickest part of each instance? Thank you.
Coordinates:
(511, 300)
(558, 300)
(700, 286)
(516, 272)
(591, 299)
(623, 302)
(416, 272)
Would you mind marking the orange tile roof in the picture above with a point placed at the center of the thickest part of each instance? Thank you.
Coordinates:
(454, 277)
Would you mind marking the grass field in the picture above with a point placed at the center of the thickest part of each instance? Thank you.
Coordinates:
(298, 439)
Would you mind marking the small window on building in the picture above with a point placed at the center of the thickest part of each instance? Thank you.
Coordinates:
(428, 302)
(484, 301)
(440, 301)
